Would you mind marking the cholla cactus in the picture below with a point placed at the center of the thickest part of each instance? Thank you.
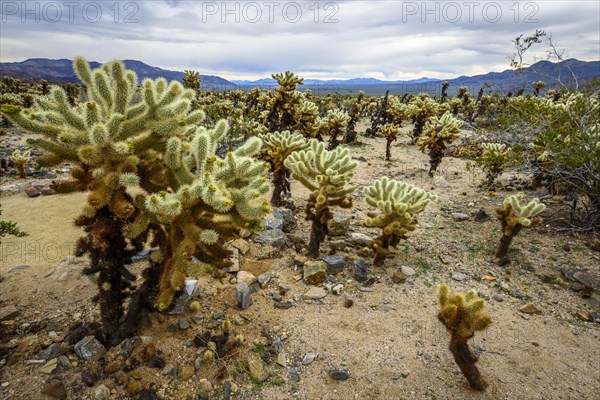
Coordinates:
(280, 114)
(537, 87)
(327, 175)
(20, 159)
(210, 201)
(439, 132)
(390, 132)
(306, 119)
(355, 110)
(420, 109)
(334, 125)
(494, 159)
(277, 147)
(115, 140)
(192, 80)
(398, 204)
(463, 315)
(513, 217)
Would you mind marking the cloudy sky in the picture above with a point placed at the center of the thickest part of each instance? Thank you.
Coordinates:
(389, 40)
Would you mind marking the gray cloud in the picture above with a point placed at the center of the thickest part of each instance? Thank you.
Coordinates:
(342, 39)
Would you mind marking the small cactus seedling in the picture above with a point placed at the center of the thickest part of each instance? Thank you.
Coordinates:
(334, 126)
(390, 132)
(463, 315)
(326, 174)
(514, 216)
(398, 204)
(277, 147)
(20, 159)
(439, 132)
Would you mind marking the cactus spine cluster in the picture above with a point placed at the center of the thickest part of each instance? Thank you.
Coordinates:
(398, 204)
(277, 147)
(327, 175)
(514, 216)
(439, 132)
(20, 159)
(463, 315)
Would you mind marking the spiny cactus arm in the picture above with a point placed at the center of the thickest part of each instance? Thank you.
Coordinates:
(66, 153)
(29, 121)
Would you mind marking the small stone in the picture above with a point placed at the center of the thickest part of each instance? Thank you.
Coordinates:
(181, 301)
(169, 370)
(339, 224)
(55, 389)
(398, 277)
(335, 264)
(264, 279)
(235, 260)
(205, 385)
(366, 289)
(294, 375)
(360, 239)
(245, 277)
(282, 359)
(360, 270)
(18, 268)
(309, 358)
(337, 289)
(8, 312)
(273, 237)
(184, 323)
(408, 271)
(283, 288)
(460, 216)
(481, 216)
(257, 368)
(64, 363)
(240, 296)
(47, 191)
(242, 245)
(530, 309)
(478, 347)
(498, 298)
(283, 305)
(458, 276)
(339, 374)
(49, 367)
(90, 349)
(583, 316)
(315, 272)
(49, 352)
(287, 216)
(314, 293)
(31, 191)
(186, 372)
(102, 393)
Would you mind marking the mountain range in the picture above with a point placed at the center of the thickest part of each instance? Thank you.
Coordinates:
(35, 69)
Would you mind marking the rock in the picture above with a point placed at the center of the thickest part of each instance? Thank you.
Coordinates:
(360, 239)
(70, 269)
(283, 288)
(408, 271)
(240, 296)
(55, 389)
(102, 393)
(264, 279)
(184, 323)
(49, 352)
(186, 372)
(481, 216)
(31, 192)
(287, 217)
(90, 349)
(458, 276)
(339, 374)
(64, 363)
(315, 272)
(294, 375)
(49, 367)
(337, 289)
(314, 293)
(271, 222)
(309, 358)
(242, 245)
(282, 359)
(8, 312)
(498, 298)
(398, 277)
(360, 270)
(169, 370)
(9, 190)
(18, 268)
(460, 216)
(245, 277)
(283, 305)
(235, 260)
(205, 385)
(188, 293)
(366, 289)
(257, 368)
(143, 255)
(530, 309)
(273, 237)
(440, 182)
(47, 191)
(588, 279)
(478, 347)
(339, 224)
(335, 264)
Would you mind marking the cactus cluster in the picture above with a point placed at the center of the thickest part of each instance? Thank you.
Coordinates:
(326, 174)
(398, 203)
(463, 315)
(20, 160)
(438, 133)
(514, 216)
(494, 159)
(334, 125)
(420, 109)
(277, 147)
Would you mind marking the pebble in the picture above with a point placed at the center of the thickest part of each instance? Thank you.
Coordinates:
(315, 272)
(205, 385)
(335, 264)
(408, 271)
(90, 349)
(360, 239)
(360, 270)
(8, 312)
(460, 216)
(337, 289)
(339, 224)
(264, 279)
(309, 358)
(186, 372)
(273, 237)
(458, 276)
(257, 368)
(339, 374)
(282, 359)
(530, 309)
(498, 298)
(240, 296)
(55, 389)
(242, 245)
(245, 277)
(49, 367)
(184, 323)
(294, 375)
(314, 293)
(181, 301)
(398, 277)
(102, 393)
(169, 370)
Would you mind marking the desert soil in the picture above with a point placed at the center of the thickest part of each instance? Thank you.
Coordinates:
(389, 339)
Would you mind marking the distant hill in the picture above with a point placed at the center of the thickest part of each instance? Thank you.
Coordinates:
(35, 69)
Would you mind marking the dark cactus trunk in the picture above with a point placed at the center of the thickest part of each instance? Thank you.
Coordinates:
(466, 362)
(317, 236)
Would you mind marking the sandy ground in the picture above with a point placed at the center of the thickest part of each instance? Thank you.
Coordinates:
(390, 339)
